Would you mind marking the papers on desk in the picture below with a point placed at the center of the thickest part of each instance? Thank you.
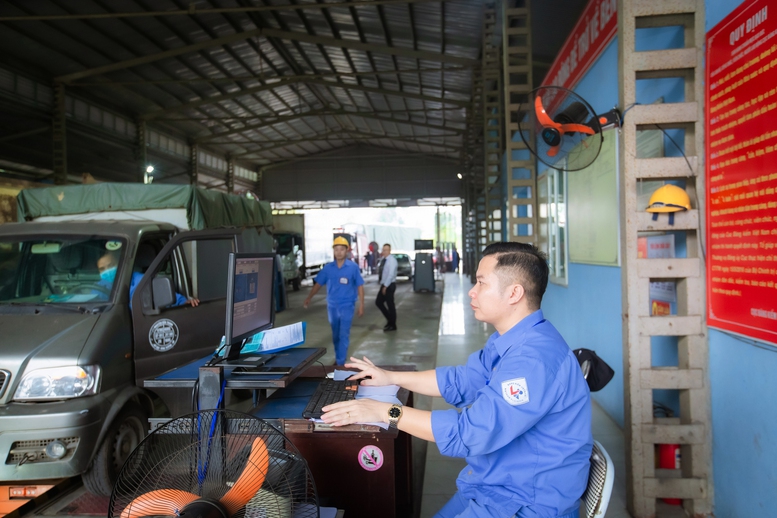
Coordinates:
(273, 340)
(384, 393)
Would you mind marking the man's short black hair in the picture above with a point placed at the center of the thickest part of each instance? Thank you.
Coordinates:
(524, 264)
(388, 245)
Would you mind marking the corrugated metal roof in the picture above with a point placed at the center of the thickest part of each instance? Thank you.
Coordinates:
(223, 83)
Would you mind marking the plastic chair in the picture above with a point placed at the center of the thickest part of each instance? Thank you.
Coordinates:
(600, 479)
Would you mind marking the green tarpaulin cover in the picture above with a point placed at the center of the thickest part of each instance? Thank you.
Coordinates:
(204, 208)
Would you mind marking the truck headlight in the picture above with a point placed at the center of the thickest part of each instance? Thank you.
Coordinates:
(59, 383)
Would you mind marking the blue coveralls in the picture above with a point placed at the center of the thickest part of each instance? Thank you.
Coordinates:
(341, 292)
(524, 426)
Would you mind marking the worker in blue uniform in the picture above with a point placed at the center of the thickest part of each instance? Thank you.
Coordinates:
(524, 418)
(344, 283)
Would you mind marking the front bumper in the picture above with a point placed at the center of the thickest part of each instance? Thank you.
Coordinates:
(26, 428)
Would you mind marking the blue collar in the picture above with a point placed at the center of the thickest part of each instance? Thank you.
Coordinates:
(515, 334)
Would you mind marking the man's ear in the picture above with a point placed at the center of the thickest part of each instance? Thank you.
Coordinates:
(515, 294)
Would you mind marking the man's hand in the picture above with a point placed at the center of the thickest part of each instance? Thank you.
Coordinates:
(192, 302)
(306, 303)
(383, 290)
(360, 311)
(356, 411)
(379, 377)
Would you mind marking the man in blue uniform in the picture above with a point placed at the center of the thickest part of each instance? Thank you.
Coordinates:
(344, 283)
(524, 418)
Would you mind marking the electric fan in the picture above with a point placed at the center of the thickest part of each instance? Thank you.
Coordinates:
(568, 132)
(215, 464)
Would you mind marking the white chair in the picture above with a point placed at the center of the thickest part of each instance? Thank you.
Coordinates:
(600, 479)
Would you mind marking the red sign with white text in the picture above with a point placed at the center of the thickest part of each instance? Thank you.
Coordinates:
(594, 30)
(742, 172)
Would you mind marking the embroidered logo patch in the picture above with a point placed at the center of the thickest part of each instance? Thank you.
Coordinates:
(515, 391)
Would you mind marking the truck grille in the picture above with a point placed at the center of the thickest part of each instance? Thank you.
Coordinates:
(35, 450)
(4, 375)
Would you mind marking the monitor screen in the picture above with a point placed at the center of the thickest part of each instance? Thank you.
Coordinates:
(250, 304)
(424, 244)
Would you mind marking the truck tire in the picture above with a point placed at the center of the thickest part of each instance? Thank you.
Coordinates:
(126, 432)
(295, 283)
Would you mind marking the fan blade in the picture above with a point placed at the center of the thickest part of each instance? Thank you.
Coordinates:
(250, 480)
(553, 151)
(579, 128)
(160, 502)
(543, 117)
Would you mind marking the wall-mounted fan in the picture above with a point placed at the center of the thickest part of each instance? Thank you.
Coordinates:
(215, 464)
(567, 131)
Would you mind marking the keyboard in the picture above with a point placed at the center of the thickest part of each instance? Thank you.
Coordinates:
(329, 391)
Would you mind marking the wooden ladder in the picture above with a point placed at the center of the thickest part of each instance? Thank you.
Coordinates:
(493, 131)
(692, 430)
(517, 77)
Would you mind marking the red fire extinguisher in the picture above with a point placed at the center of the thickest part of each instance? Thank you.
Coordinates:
(669, 458)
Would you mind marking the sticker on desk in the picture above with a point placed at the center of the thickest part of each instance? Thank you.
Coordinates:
(371, 458)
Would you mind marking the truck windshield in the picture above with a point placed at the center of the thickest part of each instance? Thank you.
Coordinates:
(58, 270)
(285, 243)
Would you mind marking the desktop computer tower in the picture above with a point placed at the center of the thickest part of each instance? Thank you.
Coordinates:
(423, 279)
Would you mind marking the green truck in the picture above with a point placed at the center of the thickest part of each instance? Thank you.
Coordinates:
(96, 290)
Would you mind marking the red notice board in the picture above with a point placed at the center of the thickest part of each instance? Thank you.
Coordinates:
(741, 138)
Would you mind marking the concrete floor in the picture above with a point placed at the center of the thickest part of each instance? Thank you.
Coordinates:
(434, 329)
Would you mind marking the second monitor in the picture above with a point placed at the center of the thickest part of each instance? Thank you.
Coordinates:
(250, 304)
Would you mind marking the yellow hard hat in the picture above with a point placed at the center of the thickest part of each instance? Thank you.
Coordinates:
(340, 240)
(669, 198)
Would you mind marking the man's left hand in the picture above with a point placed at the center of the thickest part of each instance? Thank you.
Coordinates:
(192, 302)
(383, 290)
(360, 311)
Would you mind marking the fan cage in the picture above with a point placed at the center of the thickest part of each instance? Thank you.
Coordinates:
(577, 150)
(206, 452)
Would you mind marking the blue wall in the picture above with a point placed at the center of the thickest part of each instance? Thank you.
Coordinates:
(743, 373)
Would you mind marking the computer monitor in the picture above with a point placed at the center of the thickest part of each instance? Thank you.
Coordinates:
(424, 244)
(250, 303)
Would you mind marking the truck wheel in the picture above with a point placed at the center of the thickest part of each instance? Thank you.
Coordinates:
(295, 283)
(126, 432)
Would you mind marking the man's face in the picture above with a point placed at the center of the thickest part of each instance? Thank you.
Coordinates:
(487, 298)
(105, 262)
(340, 252)
(386, 251)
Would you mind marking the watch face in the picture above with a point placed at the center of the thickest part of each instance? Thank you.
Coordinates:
(395, 412)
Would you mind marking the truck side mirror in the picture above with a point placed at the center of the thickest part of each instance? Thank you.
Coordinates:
(162, 288)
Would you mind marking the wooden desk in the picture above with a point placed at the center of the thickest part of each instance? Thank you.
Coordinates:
(333, 456)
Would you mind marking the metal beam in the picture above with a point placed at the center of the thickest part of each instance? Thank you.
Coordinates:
(269, 33)
(383, 91)
(347, 135)
(320, 113)
(267, 77)
(218, 98)
(193, 11)
(25, 134)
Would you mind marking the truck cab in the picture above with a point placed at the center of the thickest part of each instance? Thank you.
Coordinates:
(88, 311)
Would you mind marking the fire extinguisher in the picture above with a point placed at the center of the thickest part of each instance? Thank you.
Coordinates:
(669, 458)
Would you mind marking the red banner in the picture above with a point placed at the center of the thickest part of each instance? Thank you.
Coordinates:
(594, 30)
(741, 173)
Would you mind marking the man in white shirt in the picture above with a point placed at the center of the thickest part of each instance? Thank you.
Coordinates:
(388, 285)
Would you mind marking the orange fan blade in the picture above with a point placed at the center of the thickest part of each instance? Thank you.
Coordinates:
(579, 128)
(164, 502)
(250, 480)
(553, 151)
(543, 117)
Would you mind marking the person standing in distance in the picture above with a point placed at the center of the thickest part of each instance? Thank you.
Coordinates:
(524, 409)
(344, 284)
(388, 285)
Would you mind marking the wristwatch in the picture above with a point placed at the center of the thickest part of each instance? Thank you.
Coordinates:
(394, 413)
